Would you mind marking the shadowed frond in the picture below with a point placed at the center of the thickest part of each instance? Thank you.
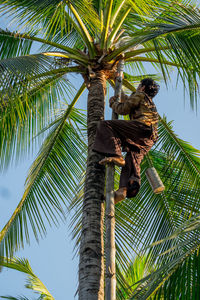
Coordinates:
(60, 160)
(178, 274)
(33, 282)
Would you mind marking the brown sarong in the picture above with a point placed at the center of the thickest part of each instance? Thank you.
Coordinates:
(133, 137)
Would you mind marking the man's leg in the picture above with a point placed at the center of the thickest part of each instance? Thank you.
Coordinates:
(134, 181)
(108, 142)
(130, 179)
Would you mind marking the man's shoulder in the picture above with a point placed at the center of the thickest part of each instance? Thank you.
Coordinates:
(138, 95)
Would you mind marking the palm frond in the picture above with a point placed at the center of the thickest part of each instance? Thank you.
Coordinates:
(49, 15)
(11, 47)
(51, 178)
(175, 36)
(85, 33)
(33, 282)
(88, 12)
(116, 11)
(106, 23)
(127, 281)
(149, 217)
(72, 39)
(31, 36)
(38, 96)
(117, 27)
(181, 23)
(180, 265)
(75, 209)
(180, 174)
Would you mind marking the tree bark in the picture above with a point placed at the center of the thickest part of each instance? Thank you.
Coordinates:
(91, 265)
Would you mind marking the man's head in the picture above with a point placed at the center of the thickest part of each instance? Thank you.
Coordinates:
(149, 86)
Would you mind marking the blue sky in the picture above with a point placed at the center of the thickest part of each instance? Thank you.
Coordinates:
(52, 260)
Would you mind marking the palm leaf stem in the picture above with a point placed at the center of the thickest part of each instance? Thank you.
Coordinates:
(29, 186)
(148, 59)
(101, 15)
(69, 50)
(107, 18)
(153, 60)
(56, 54)
(59, 71)
(130, 54)
(117, 27)
(146, 38)
(114, 17)
(85, 33)
(69, 56)
(128, 85)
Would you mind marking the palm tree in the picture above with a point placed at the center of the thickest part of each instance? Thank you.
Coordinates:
(88, 38)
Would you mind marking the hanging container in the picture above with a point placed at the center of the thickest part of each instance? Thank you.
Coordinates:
(154, 180)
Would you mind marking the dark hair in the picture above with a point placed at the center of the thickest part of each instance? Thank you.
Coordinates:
(151, 87)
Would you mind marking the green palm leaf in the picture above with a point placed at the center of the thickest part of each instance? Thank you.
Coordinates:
(41, 100)
(180, 265)
(11, 47)
(127, 281)
(61, 159)
(48, 15)
(175, 37)
(53, 15)
(85, 33)
(31, 36)
(33, 282)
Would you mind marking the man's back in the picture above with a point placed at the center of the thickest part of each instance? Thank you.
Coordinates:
(145, 111)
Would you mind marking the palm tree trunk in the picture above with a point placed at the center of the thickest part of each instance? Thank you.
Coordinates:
(91, 265)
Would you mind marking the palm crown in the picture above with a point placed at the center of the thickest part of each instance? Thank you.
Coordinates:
(89, 38)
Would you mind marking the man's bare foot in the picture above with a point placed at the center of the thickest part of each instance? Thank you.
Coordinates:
(117, 160)
(120, 194)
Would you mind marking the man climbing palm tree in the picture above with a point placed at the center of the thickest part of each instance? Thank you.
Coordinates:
(136, 137)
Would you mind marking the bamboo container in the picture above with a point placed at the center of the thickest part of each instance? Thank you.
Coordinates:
(154, 180)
